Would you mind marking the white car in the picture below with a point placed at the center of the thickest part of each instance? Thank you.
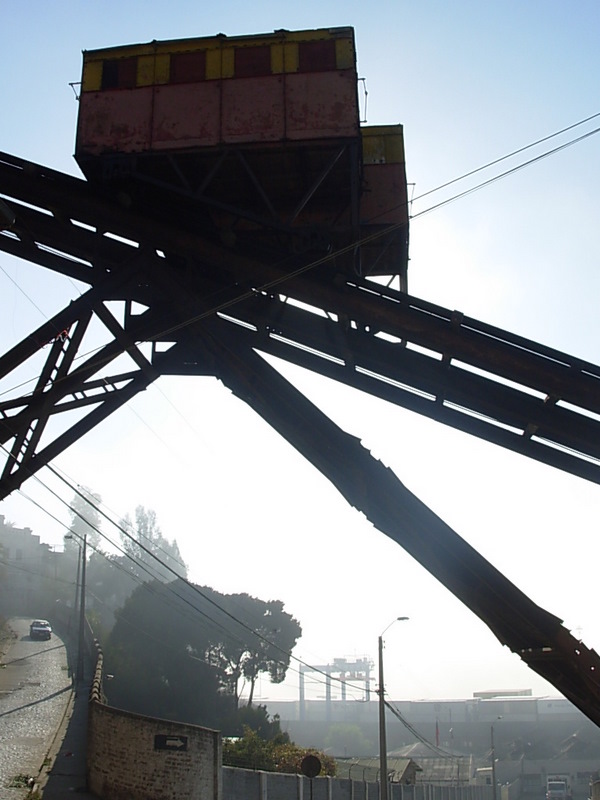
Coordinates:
(40, 629)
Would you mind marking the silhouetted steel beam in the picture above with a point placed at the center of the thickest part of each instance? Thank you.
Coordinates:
(537, 636)
(417, 364)
(216, 306)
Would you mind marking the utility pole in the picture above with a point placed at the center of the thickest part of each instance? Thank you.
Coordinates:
(383, 769)
(383, 790)
(494, 790)
(81, 641)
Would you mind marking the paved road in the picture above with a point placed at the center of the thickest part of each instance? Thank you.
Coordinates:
(35, 695)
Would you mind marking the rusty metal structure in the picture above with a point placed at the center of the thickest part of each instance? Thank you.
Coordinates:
(234, 205)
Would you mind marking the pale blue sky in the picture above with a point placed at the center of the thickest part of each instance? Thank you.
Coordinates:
(470, 82)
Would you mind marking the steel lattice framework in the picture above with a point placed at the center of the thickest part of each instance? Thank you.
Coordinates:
(207, 309)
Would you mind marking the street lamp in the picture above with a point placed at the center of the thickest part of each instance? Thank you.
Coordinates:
(383, 776)
(493, 759)
(79, 671)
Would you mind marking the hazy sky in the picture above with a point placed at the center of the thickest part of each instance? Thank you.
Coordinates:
(470, 82)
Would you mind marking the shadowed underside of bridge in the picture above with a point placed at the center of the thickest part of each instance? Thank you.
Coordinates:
(177, 301)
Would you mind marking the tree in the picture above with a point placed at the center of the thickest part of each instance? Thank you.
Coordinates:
(156, 654)
(85, 519)
(192, 645)
(255, 718)
(153, 556)
(110, 581)
(259, 638)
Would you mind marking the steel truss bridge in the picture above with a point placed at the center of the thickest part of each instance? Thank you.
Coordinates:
(207, 309)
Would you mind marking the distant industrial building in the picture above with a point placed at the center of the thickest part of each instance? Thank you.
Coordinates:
(451, 740)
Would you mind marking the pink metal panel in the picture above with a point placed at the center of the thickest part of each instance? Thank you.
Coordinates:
(115, 121)
(186, 115)
(383, 200)
(208, 113)
(320, 105)
(253, 109)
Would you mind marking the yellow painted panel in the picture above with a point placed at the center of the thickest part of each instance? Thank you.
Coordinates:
(383, 144)
(394, 149)
(92, 76)
(250, 41)
(213, 64)
(145, 71)
(126, 51)
(227, 62)
(291, 57)
(277, 62)
(182, 46)
(344, 53)
(162, 68)
(308, 36)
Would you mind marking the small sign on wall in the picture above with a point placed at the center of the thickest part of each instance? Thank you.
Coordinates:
(165, 742)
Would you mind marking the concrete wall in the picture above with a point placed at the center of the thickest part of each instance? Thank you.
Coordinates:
(132, 757)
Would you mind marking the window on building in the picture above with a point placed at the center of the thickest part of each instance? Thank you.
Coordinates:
(119, 73)
(188, 67)
(317, 56)
(251, 62)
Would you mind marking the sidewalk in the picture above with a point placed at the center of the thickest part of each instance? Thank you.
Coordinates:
(66, 772)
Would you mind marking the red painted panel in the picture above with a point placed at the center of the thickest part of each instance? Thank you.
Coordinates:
(186, 115)
(119, 73)
(253, 110)
(383, 200)
(208, 113)
(252, 62)
(188, 67)
(321, 105)
(317, 56)
(115, 121)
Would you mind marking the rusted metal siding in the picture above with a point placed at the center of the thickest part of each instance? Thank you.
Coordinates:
(384, 202)
(261, 133)
(285, 86)
(384, 198)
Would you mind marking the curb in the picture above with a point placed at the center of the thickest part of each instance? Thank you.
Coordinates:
(55, 745)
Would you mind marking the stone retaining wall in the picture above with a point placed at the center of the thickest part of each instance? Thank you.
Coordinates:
(132, 757)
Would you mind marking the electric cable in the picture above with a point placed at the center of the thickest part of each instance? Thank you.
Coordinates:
(505, 157)
(272, 284)
(195, 588)
(409, 727)
(265, 287)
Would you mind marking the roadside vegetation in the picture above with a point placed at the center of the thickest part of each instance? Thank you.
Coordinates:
(172, 649)
(200, 653)
(278, 754)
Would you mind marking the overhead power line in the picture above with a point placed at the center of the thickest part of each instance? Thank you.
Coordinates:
(305, 268)
(195, 589)
(508, 172)
(279, 281)
(419, 736)
(499, 160)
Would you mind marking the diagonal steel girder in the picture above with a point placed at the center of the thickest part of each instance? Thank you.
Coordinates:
(533, 633)
(62, 388)
(525, 418)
